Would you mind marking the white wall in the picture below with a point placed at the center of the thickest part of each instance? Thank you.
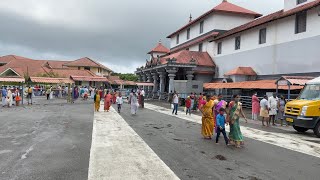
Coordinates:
(275, 55)
(280, 31)
(289, 4)
(211, 22)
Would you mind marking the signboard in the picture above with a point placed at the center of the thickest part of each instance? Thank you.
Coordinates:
(283, 83)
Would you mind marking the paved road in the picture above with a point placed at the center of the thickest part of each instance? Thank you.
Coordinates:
(45, 142)
(177, 141)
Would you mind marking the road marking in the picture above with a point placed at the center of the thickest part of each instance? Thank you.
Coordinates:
(118, 152)
(289, 141)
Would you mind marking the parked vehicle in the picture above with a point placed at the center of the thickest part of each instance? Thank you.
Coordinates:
(304, 112)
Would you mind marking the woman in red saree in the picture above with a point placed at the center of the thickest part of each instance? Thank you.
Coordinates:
(107, 101)
(114, 97)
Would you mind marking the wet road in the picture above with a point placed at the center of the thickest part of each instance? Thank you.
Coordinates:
(178, 143)
(45, 142)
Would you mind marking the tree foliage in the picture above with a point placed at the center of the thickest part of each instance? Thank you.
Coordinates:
(127, 76)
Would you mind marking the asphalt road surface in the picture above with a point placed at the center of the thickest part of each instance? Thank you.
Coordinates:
(45, 142)
(179, 144)
(53, 140)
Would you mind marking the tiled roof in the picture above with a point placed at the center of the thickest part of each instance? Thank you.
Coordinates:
(159, 49)
(90, 79)
(232, 8)
(223, 7)
(194, 41)
(12, 79)
(185, 56)
(297, 80)
(71, 72)
(262, 84)
(247, 71)
(144, 84)
(271, 17)
(115, 80)
(86, 62)
(49, 80)
(26, 66)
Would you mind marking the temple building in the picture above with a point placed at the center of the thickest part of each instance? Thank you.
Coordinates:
(230, 43)
(84, 71)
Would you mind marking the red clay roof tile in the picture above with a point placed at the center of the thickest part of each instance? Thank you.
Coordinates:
(185, 56)
(262, 84)
(223, 7)
(159, 49)
(248, 71)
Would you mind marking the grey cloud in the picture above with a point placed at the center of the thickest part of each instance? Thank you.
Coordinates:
(121, 32)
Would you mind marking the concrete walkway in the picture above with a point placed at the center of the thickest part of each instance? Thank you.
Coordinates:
(118, 152)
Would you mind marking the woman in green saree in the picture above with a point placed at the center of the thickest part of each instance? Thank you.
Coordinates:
(235, 110)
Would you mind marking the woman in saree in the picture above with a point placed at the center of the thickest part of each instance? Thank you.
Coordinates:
(107, 101)
(134, 103)
(114, 97)
(235, 110)
(97, 101)
(207, 118)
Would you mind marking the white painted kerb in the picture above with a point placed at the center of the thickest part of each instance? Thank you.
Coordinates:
(118, 152)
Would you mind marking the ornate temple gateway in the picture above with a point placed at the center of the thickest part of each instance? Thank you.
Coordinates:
(163, 68)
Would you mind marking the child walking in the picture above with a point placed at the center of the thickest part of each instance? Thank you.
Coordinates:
(188, 106)
(221, 121)
(119, 101)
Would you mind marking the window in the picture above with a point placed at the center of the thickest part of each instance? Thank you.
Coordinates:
(188, 34)
(87, 68)
(237, 42)
(301, 1)
(200, 47)
(178, 38)
(263, 36)
(219, 47)
(201, 27)
(301, 22)
(78, 68)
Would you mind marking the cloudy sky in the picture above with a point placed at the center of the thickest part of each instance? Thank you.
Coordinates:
(117, 33)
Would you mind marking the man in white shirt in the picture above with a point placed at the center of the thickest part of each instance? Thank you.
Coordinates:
(273, 107)
(119, 102)
(175, 103)
(142, 94)
(264, 112)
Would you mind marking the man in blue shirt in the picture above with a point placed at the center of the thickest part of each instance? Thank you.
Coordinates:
(4, 96)
(221, 121)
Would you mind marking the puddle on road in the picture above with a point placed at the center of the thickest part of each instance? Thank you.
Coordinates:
(220, 157)
(253, 178)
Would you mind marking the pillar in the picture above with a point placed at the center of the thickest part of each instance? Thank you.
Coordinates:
(172, 74)
(155, 82)
(190, 75)
(144, 77)
(149, 79)
(162, 76)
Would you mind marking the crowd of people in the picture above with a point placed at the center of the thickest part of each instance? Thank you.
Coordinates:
(135, 100)
(216, 114)
(10, 96)
(269, 108)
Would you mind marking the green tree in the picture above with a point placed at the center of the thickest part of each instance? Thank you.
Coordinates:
(127, 76)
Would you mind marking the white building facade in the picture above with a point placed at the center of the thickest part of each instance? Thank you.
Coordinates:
(232, 44)
(284, 42)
